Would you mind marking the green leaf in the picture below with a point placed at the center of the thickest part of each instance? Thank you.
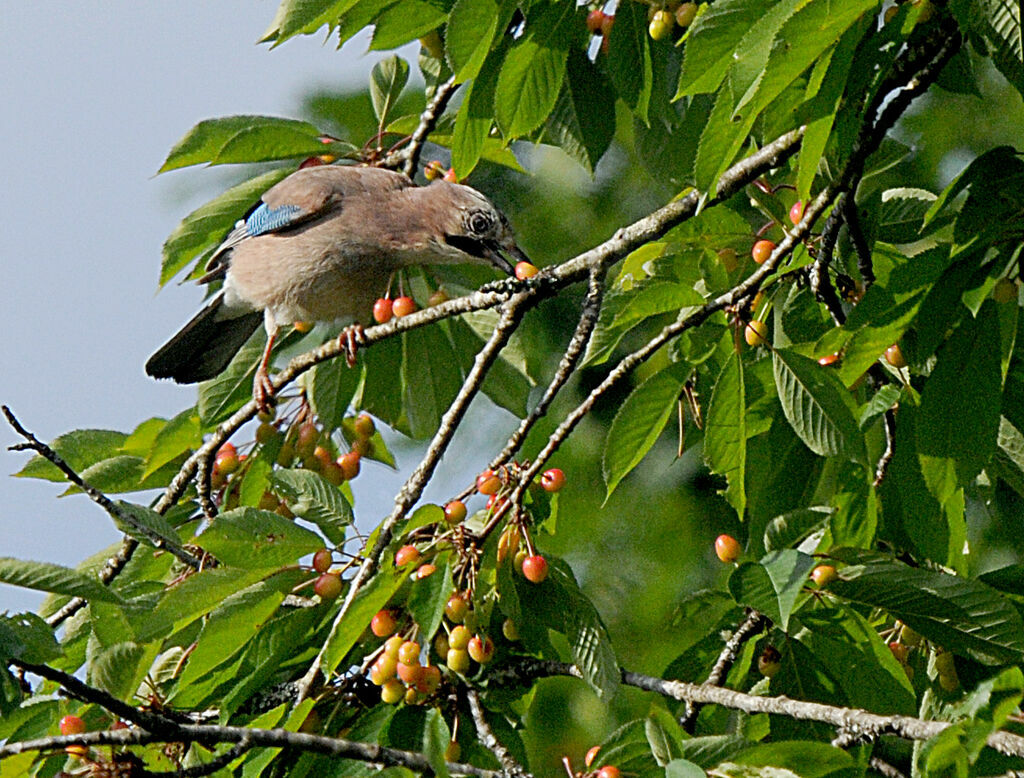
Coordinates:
(248, 537)
(816, 405)
(429, 596)
(682, 768)
(791, 528)
(588, 640)
(532, 74)
(901, 214)
(221, 396)
(118, 669)
(474, 118)
(773, 584)
(295, 17)
(331, 386)
(316, 500)
(206, 226)
(999, 22)
(507, 384)
(244, 139)
(406, 21)
(629, 58)
(179, 436)
(48, 577)
(639, 421)
(963, 615)
(725, 432)
(583, 120)
(959, 416)
(27, 637)
(387, 80)
(347, 631)
(79, 449)
(147, 525)
(1008, 461)
(427, 376)
(472, 25)
(800, 757)
(665, 737)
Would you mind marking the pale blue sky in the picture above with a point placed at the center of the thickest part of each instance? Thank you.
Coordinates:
(94, 95)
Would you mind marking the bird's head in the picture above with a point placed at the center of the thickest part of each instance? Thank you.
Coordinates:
(470, 228)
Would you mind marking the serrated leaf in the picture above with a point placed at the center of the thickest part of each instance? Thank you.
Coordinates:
(347, 631)
(244, 139)
(1008, 461)
(532, 74)
(816, 405)
(178, 436)
(961, 614)
(725, 432)
(48, 577)
(901, 214)
(331, 386)
(629, 58)
(147, 525)
(251, 538)
(79, 449)
(387, 80)
(116, 670)
(583, 120)
(304, 16)
(316, 500)
(475, 116)
(881, 401)
(403, 22)
(429, 596)
(787, 530)
(665, 737)
(639, 421)
(773, 584)
(430, 383)
(472, 25)
(588, 640)
(221, 396)
(27, 637)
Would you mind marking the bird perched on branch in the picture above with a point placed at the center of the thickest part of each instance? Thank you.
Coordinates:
(323, 245)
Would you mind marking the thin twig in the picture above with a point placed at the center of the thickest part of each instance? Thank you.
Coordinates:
(752, 625)
(409, 156)
(890, 448)
(215, 764)
(115, 511)
(884, 768)
(850, 719)
(489, 739)
(854, 228)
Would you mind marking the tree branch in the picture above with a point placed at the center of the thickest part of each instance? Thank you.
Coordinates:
(490, 740)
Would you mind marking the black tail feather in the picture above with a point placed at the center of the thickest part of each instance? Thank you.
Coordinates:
(204, 346)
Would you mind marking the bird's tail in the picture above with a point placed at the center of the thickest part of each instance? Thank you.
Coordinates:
(204, 346)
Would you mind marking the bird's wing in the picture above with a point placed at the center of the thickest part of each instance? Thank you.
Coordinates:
(301, 197)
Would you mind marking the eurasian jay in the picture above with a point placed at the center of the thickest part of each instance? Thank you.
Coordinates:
(323, 245)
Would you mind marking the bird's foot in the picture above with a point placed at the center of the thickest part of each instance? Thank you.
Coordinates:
(263, 390)
(350, 339)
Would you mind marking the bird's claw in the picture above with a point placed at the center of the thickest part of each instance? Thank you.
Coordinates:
(263, 390)
(350, 339)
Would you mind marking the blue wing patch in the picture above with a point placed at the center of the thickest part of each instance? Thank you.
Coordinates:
(265, 219)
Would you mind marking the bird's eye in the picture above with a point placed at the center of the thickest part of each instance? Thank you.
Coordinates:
(480, 223)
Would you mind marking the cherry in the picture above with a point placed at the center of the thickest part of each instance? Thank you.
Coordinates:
(267, 432)
(727, 548)
(481, 650)
(306, 440)
(437, 297)
(363, 426)
(383, 623)
(894, 356)
(383, 670)
(609, 771)
(552, 480)
(685, 14)
(455, 512)
(456, 609)
(407, 555)
(770, 661)
(441, 644)
(311, 162)
(606, 25)
(910, 637)
(434, 170)
(591, 756)
(510, 630)
(755, 333)
(268, 502)
(363, 447)
(119, 725)
(459, 638)
(383, 310)
(823, 575)
(409, 652)
(594, 21)
(282, 509)
(328, 586)
(322, 560)
(393, 692)
(452, 751)
(333, 473)
(796, 213)
(1004, 291)
(899, 651)
(729, 260)
(403, 306)
(829, 359)
(762, 250)
(302, 326)
(535, 568)
(496, 502)
(412, 674)
(488, 483)
(526, 270)
(393, 644)
(72, 725)
(457, 660)
(661, 25)
(423, 571)
(430, 679)
(349, 464)
(286, 455)
(226, 460)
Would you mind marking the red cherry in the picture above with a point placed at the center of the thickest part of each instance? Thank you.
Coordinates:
(450, 177)
(727, 548)
(762, 250)
(894, 356)
(899, 651)
(403, 306)
(591, 756)
(383, 309)
(481, 650)
(349, 464)
(383, 623)
(424, 571)
(455, 512)
(411, 674)
(328, 586)
(409, 653)
(488, 483)
(594, 21)
(796, 213)
(383, 670)
(322, 560)
(226, 460)
(311, 162)
(430, 679)
(823, 575)
(526, 270)
(407, 555)
(829, 359)
(552, 480)
(606, 24)
(434, 170)
(609, 771)
(72, 725)
(535, 568)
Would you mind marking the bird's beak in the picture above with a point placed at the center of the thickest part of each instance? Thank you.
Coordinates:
(493, 252)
